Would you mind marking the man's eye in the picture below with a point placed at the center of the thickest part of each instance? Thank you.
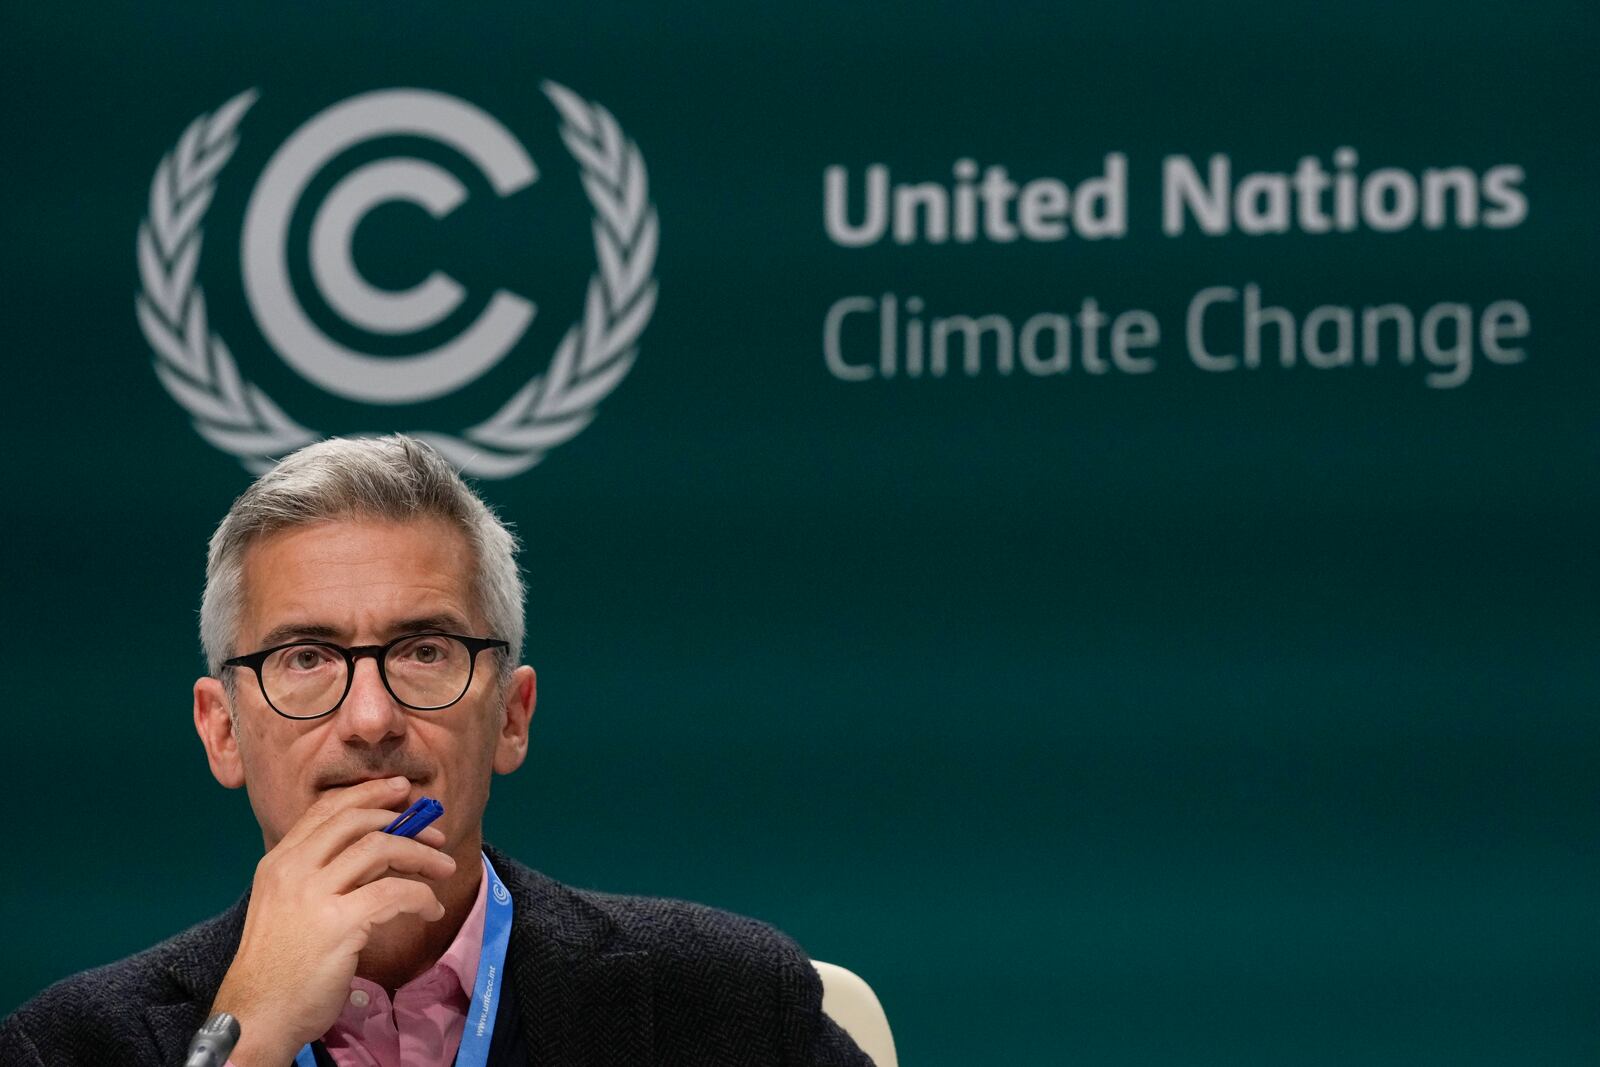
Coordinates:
(307, 659)
(423, 652)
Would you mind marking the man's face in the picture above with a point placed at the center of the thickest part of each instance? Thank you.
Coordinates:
(363, 582)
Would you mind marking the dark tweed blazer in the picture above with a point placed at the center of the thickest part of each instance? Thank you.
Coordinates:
(598, 979)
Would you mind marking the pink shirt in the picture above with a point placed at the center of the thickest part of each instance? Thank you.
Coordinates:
(422, 1026)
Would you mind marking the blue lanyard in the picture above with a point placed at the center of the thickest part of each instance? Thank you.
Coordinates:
(479, 1027)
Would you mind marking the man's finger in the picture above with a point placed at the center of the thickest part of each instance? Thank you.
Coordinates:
(340, 832)
(378, 793)
(379, 853)
(378, 902)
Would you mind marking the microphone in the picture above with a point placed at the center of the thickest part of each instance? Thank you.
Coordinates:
(213, 1042)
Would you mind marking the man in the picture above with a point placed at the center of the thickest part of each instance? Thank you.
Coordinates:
(362, 619)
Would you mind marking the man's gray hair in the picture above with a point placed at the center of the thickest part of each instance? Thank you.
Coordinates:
(394, 477)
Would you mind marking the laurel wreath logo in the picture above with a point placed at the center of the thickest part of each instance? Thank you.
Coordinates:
(196, 368)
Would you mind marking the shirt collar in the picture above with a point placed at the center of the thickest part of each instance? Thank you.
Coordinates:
(461, 958)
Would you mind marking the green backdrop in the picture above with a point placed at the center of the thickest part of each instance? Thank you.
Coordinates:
(1185, 716)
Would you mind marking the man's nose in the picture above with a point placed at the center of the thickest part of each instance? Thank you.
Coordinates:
(369, 713)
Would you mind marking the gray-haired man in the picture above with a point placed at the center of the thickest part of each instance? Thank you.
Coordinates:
(363, 622)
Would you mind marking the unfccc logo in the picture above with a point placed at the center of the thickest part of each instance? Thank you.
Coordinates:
(198, 370)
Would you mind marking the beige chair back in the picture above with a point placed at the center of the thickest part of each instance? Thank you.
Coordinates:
(852, 1004)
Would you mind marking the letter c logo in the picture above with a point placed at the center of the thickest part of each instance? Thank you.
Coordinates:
(264, 249)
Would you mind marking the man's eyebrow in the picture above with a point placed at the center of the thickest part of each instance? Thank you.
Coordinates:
(445, 621)
(290, 630)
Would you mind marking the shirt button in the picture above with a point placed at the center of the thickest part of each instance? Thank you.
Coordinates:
(359, 997)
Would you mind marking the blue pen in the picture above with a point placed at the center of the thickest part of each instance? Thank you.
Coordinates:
(415, 819)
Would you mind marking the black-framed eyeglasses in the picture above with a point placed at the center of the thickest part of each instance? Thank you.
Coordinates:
(310, 679)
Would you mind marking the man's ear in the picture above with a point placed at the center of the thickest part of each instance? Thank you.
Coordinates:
(211, 721)
(511, 747)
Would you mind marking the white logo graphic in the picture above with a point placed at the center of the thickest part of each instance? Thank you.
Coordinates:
(197, 369)
(499, 891)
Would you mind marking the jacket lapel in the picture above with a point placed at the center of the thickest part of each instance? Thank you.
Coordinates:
(582, 1002)
(172, 1026)
(201, 956)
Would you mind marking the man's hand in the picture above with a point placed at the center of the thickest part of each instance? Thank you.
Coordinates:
(315, 900)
